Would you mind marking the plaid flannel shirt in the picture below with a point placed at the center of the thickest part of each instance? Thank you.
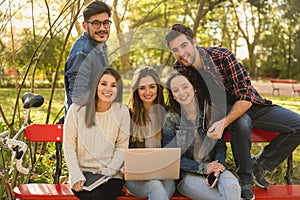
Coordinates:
(228, 73)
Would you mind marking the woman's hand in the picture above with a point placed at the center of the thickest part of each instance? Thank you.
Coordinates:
(97, 172)
(215, 167)
(122, 171)
(78, 186)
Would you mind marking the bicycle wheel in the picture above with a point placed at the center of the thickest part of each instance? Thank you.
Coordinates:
(7, 193)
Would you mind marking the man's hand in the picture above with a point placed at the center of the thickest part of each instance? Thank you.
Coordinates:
(216, 130)
(238, 109)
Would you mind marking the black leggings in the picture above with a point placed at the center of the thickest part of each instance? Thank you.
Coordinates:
(108, 191)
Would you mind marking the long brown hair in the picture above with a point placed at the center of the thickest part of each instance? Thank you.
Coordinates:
(91, 107)
(139, 114)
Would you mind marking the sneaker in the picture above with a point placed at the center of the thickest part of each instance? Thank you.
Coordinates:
(247, 193)
(259, 175)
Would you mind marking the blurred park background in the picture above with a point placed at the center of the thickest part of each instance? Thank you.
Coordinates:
(36, 36)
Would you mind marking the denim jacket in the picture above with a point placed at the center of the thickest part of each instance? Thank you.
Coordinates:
(179, 132)
(86, 60)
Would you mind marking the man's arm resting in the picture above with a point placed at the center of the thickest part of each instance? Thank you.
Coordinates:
(238, 109)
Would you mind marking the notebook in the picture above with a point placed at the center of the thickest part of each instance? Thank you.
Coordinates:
(151, 163)
(93, 180)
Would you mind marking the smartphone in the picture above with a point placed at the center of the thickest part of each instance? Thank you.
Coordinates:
(212, 180)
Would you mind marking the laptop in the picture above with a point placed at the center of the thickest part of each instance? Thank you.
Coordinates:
(152, 163)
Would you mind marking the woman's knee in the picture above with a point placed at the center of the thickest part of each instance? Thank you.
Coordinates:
(155, 185)
(230, 185)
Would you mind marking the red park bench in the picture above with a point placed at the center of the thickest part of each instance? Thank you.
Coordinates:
(277, 85)
(54, 133)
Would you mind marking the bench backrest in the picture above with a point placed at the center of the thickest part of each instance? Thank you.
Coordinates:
(291, 81)
(54, 133)
(257, 136)
(44, 133)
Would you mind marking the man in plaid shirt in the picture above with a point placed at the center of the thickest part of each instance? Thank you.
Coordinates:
(227, 83)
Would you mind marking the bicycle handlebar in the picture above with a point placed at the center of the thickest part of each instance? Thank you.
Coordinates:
(18, 154)
(30, 100)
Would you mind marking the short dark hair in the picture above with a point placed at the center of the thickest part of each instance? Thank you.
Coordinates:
(177, 30)
(95, 7)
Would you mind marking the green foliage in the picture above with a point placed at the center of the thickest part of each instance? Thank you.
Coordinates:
(280, 44)
(48, 59)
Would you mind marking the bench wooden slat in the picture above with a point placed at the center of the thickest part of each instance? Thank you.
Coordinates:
(40, 191)
(257, 136)
(288, 81)
(54, 133)
(34, 191)
(44, 133)
(278, 192)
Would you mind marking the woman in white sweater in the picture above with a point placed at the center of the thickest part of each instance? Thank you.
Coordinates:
(95, 137)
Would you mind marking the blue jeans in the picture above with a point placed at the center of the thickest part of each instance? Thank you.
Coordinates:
(271, 118)
(194, 187)
(152, 189)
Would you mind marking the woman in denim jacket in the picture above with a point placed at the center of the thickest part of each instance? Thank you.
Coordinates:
(185, 128)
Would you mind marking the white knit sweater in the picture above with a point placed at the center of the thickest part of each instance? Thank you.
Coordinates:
(100, 147)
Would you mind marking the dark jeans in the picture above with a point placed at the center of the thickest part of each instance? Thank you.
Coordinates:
(271, 118)
(108, 191)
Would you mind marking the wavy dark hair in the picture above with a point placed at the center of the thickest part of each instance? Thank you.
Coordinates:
(177, 30)
(139, 114)
(194, 77)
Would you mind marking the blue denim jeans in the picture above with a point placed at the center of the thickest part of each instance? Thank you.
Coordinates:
(152, 189)
(271, 118)
(194, 187)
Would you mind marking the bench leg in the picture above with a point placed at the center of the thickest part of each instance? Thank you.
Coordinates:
(58, 146)
(289, 171)
(276, 89)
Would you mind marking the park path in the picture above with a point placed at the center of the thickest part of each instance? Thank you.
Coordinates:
(265, 88)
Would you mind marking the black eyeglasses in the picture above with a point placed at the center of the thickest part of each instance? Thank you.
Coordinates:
(97, 24)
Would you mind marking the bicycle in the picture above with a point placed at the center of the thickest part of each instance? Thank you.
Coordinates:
(16, 147)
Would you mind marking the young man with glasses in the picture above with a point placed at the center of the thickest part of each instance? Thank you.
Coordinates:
(230, 83)
(88, 54)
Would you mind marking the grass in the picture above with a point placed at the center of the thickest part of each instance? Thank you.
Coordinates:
(38, 115)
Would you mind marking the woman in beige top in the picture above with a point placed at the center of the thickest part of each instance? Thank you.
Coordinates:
(95, 137)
